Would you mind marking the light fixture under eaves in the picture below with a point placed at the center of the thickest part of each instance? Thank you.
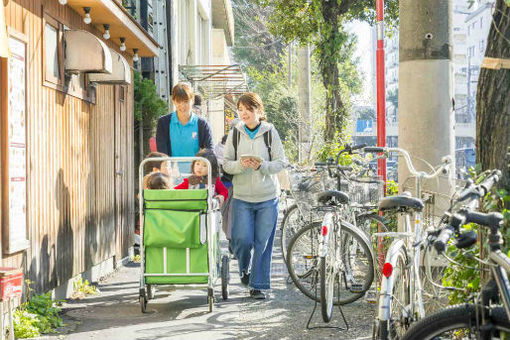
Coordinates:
(87, 19)
(135, 55)
(62, 2)
(122, 44)
(106, 34)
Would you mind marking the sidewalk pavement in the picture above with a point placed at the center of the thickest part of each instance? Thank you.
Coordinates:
(183, 314)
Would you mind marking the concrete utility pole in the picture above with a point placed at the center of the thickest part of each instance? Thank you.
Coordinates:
(304, 102)
(426, 112)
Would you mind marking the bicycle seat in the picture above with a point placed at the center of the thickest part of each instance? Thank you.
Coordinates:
(400, 202)
(326, 197)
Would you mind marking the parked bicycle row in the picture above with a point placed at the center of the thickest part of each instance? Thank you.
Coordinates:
(336, 249)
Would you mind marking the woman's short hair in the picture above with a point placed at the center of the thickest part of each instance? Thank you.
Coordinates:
(252, 101)
(182, 92)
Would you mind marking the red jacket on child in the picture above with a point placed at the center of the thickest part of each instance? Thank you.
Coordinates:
(219, 188)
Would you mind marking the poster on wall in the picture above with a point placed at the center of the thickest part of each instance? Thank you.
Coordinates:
(16, 153)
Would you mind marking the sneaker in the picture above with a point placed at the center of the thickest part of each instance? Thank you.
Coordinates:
(257, 294)
(245, 279)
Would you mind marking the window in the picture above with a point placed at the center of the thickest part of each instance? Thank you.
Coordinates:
(469, 30)
(52, 55)
(482, 46)
(481, 22)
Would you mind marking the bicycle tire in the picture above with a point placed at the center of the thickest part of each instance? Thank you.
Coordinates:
(308, 288)
(305, 280)
(327, 291)
(400, 296)
(286, 232)
(456, 318)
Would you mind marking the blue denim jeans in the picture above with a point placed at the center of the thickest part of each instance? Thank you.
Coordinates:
(253, 229)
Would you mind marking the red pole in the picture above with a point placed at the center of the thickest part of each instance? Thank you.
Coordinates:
(381, 107)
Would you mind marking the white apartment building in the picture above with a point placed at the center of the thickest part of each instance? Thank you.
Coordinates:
(202, 32)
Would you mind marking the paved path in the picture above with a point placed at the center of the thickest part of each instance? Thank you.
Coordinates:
(183, 314)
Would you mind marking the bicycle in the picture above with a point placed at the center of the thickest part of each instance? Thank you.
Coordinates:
(349, 265)
(400, 295)
(304, 184)
(485, 318)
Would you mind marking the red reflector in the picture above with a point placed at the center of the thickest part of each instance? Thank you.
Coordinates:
(387, 269)
(324, 230)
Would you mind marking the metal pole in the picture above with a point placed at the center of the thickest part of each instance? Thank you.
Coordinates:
(381, 92)
(381, 110)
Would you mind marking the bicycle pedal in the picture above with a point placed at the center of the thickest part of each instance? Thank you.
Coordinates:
(356, 288)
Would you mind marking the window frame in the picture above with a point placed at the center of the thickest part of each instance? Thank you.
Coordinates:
(50, 80)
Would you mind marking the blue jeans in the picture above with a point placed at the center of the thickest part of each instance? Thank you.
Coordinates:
(253, 228)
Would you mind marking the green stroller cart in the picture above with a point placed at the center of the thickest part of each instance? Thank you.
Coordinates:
(180, 240)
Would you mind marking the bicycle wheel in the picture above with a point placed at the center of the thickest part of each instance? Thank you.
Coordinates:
(396, 326)
(303, 264)
(459, 323)
(303, 259)
(328, 275)
(290, 224)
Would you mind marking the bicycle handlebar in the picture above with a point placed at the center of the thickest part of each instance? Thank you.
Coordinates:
(446, 161)
(465, 216)
(348, 149)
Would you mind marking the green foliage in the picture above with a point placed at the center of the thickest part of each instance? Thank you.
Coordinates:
(83, 288)
(148, 105)
(39, 315)
(255, 46)
(466, 274)
(321, 24)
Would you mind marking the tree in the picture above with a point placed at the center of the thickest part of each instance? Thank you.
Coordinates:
(321, 22)
(148, 107)
(493, 101)
(255, 46)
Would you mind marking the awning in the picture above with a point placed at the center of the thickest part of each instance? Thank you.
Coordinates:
(4, 47)
(122, 24)
(86, 53)
(215, 81)
(121, 73)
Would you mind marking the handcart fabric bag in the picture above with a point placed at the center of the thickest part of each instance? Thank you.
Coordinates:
(174, 218)
(173, 229)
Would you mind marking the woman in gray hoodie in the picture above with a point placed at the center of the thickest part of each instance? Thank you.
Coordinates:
(254, 156)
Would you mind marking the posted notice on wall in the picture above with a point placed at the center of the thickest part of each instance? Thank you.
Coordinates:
(17, 146)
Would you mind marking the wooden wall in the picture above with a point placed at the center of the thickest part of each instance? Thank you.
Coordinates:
(79, 211)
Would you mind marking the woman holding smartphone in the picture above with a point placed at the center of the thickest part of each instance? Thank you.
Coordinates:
(254, 161)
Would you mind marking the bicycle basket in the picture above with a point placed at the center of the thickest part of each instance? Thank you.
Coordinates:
(304, 187)
(365, 191)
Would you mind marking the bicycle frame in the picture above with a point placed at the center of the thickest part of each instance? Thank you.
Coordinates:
(410, 244)
(332, 223)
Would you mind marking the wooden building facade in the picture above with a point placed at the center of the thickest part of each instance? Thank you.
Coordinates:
(67, 143)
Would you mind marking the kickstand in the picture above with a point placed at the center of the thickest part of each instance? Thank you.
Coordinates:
(332, 327)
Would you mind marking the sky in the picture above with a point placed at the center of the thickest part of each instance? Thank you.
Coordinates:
(364, 53)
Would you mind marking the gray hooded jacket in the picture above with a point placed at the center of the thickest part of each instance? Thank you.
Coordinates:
(255, 185)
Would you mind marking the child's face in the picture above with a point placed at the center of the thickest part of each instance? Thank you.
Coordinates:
(166, 168)
(200, 168)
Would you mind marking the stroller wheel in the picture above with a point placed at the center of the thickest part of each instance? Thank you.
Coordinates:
(210, 298)
(225, 276)
(143, 304)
